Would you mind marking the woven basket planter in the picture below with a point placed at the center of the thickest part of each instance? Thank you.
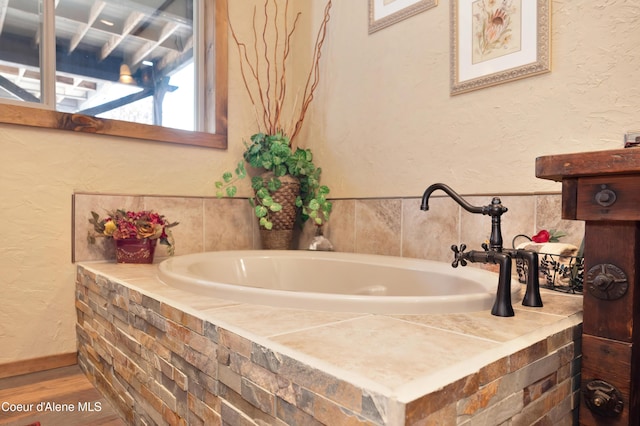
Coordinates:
(281, 235)
(273, 239)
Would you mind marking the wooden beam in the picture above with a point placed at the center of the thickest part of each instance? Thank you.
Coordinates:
(168, 29)
(117, 103)
(132, 20)
(17, 91)
(19, 50)
(96, 9)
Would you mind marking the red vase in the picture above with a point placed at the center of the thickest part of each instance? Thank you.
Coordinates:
(135, 250)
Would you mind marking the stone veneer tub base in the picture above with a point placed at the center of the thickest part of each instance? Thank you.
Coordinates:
(165, 356)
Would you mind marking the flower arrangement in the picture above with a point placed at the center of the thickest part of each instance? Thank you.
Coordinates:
(123, 225)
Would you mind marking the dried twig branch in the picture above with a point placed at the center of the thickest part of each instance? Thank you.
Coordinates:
(311, 85)
(264, 69)
(265, 53)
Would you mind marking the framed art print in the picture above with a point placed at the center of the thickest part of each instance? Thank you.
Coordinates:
(383, 13)
(493, 42)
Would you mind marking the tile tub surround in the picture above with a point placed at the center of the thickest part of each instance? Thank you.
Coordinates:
(164, 356)
(387, 226)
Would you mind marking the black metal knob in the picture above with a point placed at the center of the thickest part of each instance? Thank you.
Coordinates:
(605, 197)
(606, 282)
(458, 253)
(603, 398)
(603, 281)
(600, 399)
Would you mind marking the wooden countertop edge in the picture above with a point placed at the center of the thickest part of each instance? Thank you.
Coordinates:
(614, 161)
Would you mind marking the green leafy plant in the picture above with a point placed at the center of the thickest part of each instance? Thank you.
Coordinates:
(273, 153)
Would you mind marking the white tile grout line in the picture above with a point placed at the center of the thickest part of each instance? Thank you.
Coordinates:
(313, 327)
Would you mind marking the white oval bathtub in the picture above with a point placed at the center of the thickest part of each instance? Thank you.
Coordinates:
(332, 281)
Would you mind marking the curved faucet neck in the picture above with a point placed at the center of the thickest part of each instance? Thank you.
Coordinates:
(495, 210)
(453, 194)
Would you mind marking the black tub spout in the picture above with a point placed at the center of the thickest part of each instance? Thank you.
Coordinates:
(453, 194)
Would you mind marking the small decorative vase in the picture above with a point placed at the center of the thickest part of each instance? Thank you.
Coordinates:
(135, 250)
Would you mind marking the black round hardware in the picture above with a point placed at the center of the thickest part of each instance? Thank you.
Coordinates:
(605, 197)
(606, 282)
(602, 398)
(458, 254)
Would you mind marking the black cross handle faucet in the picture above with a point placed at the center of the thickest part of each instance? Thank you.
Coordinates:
(494, 253)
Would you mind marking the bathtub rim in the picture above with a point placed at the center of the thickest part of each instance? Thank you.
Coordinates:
(171, 273)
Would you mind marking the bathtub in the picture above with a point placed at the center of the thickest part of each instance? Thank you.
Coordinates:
(332, 281)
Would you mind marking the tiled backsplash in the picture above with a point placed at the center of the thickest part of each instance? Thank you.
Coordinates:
(388, 226)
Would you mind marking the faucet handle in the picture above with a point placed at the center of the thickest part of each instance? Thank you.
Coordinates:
(458, 253)
(485, 246)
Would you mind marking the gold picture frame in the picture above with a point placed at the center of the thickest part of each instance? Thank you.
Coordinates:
(383, 13)
(496, 42)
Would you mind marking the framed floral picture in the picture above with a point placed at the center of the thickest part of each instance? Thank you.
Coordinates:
(495, 41)
(383, 13)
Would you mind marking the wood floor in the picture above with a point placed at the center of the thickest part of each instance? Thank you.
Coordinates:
(62, 396)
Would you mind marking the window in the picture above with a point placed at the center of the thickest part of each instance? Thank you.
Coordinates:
(128, 68)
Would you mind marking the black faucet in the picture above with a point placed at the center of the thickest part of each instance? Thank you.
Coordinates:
(494, 253)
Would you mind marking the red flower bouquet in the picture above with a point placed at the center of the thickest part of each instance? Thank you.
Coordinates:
(127, 225)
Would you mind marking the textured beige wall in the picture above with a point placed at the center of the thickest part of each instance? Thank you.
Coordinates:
(40, 171)
(383, 124)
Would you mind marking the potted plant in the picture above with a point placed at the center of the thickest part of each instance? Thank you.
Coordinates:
(135, 233)
(286, 183)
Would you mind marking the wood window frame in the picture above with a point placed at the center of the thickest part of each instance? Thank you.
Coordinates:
(215, 103)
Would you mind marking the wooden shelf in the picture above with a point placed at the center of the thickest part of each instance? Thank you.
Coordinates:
(596, 163)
